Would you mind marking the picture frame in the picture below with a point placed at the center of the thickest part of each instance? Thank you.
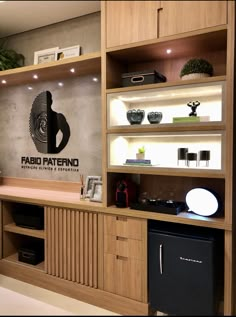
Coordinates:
(89, 184)
(44, 56)
(96, 194)
(67, 52)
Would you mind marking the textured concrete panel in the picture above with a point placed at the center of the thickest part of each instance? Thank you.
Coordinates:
(84, 31)
(79, 100)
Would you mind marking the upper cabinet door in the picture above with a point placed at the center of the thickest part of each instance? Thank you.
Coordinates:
(130, 21)
(177, 17)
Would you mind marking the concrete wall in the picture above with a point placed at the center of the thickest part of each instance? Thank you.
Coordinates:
(79, 100)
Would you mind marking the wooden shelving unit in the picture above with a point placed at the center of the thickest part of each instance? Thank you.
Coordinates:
(85, 64)
(14, 259)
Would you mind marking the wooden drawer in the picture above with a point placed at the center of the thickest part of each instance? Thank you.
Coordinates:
(121, 246)
(123, 276)
(123, 226)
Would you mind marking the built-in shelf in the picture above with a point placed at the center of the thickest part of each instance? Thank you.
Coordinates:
(83, 65)
(182, 217)
(25, 231)
(188, 44)
(14, 258)
(166, 171)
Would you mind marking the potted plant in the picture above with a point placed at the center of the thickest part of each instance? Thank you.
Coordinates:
(9, 58)
(141, 153)
(196, 68)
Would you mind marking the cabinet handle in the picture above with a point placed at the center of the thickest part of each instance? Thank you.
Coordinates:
(121, 238)
(122, 258)
(119, 218)
(160, 258)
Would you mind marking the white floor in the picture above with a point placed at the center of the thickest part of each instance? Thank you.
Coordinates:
(21, 299)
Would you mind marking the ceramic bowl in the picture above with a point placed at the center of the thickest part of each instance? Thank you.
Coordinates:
(135, 116)
(154, 117)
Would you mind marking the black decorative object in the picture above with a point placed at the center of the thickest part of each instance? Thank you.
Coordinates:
(161, 206)
(154, 117)
(204, 155)
(142, 78)
(191, 157)
(44, 125)
(182, 155)
(193, 105)
(135, 116)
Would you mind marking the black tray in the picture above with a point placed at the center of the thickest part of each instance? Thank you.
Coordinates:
(161, 206)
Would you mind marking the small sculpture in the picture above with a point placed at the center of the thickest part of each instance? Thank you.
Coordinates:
(193, 105)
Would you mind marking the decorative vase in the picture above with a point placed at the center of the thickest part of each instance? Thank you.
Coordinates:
(135, 116)
(195, 76)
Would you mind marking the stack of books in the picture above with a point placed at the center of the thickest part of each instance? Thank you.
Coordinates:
(138, 162)
(191, 119)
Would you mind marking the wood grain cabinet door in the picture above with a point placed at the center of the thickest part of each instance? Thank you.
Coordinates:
(176, 17)
(130, 21)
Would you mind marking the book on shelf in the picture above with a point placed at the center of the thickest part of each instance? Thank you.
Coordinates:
(191, 119)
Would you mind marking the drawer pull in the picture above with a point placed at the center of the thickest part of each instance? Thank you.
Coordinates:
(123, 258)
(121, 238)
(119, 218)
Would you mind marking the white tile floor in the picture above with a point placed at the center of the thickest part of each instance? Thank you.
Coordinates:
(21, 299)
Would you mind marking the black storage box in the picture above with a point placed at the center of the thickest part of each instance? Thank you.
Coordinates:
(142, 78)
(29, 216)
(31, 254)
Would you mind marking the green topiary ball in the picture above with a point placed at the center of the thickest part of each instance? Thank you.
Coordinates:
(196, 65)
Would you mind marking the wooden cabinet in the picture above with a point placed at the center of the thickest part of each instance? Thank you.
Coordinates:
(176, 17)
(125, 257)
(130, 21)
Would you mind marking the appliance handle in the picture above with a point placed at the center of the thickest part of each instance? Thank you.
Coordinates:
(160, 258)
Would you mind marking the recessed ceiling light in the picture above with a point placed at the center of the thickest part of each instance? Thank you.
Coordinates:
(35, 76)
(72, 70)
(4, 81)
(60, 84)
(168, 51)
(30, 88)
(95, 79)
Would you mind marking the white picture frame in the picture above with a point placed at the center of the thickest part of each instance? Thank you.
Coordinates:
(45, 56)
(96, 194)
(67, 52)
(89, 184)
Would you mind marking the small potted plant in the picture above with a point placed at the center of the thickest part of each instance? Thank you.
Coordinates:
(141, 153)
(196, 68)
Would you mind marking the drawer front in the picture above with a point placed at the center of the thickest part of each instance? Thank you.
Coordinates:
(123, 226)
(123, 276)
(123, 246)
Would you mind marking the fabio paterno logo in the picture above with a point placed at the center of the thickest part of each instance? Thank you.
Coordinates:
(44, 126)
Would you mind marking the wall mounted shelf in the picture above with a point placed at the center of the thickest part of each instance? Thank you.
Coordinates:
(84, 65)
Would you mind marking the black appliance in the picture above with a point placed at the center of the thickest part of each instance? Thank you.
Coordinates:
(29, 216)
(184, 270)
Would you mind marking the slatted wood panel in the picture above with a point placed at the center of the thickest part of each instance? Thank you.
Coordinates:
(71, 245)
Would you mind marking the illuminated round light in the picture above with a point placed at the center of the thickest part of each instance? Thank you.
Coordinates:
(4, 81)
(95, 79)
(202, 202)
(72, 70)
(60, 84)
(35, 76)
(168, 51)
(30, 88)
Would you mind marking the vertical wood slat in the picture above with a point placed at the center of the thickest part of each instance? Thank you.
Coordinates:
(72, 245)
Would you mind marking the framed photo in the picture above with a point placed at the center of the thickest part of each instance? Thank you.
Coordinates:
(67, 52)
(89, 184)
(96, 194)
(44, 56)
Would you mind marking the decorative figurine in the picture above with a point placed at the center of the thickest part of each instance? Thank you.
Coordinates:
(193, 105)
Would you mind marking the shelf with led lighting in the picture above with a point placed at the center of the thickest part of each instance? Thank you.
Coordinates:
(76, 66)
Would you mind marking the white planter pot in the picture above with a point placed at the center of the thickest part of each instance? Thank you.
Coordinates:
(195, 76)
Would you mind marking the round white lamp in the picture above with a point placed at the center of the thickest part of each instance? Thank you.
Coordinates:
(202, 201)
